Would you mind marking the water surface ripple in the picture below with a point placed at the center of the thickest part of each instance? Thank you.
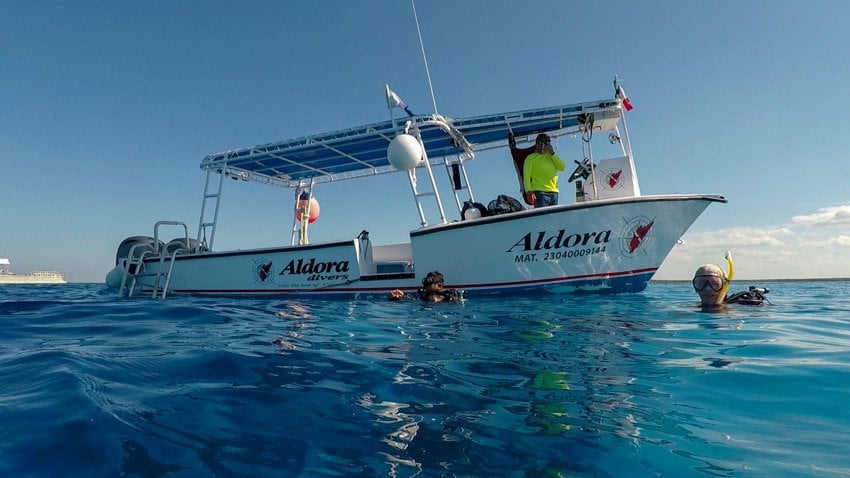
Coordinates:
(628, 385)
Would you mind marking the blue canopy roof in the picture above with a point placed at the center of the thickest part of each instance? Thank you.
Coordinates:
(362, 151)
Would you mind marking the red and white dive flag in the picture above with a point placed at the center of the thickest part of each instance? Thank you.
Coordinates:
(621, 95)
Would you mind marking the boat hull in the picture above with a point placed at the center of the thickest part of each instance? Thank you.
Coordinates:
(605, 246)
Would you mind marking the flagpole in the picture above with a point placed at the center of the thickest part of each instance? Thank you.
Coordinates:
(628, 138)
(621, 95)
(389, 107)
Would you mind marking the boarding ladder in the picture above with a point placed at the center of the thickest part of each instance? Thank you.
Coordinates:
(456, 172)
(206, 222)
(418, 195)
(169, 253)
(457, 176)
(134, 267)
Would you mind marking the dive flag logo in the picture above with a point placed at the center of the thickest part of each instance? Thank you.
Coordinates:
(262, 270)
(636, 235)
(614, 178)
(639, 235)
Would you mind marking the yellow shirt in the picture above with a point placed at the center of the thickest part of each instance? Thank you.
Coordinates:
(540, 172)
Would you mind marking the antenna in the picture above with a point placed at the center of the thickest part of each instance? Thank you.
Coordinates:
(614, 46)
(424, 58)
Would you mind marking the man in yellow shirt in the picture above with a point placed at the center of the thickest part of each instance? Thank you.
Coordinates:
(540, 173)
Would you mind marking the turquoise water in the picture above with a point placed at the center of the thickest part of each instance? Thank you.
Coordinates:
(627, 385)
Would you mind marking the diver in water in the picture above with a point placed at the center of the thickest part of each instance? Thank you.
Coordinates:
(711, 284)
(433, 290)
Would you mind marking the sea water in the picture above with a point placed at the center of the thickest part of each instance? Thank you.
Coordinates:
(575, 385)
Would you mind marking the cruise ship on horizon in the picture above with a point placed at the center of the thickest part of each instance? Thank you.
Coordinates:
(37, 277)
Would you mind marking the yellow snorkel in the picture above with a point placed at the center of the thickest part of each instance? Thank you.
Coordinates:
(729, 275)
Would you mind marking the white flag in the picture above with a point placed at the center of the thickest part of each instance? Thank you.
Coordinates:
(393, 101)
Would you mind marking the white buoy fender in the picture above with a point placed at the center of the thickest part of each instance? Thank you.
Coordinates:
(114, 277)
(471, 213)
(404, 152)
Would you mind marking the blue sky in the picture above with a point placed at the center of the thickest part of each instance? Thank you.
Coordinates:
(108, 107)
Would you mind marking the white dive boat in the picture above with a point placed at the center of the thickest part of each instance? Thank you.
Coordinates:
(611, 239)
(38, 277)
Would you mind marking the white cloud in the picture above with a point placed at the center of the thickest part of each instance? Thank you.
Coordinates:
(774, 252)
(738, 237)
(828, 216)
(839, 241)
(827, 242)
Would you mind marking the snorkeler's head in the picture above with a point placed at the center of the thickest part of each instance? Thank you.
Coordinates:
(709, 281)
